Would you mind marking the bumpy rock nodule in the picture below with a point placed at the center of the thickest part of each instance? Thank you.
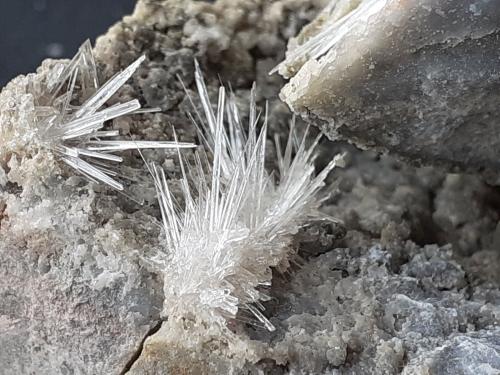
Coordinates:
(412, 283)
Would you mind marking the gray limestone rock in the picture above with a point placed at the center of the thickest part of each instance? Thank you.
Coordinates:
(474, 354)
(417, 78)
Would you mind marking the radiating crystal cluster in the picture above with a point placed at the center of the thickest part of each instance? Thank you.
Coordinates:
(239, 220)
(70, 119)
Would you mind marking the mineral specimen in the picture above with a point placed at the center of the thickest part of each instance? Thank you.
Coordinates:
(238, 224)
(409, 284)
(73, 132)
(417, 78)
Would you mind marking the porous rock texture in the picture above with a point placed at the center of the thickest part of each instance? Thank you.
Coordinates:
(417, 78)
(409, 283)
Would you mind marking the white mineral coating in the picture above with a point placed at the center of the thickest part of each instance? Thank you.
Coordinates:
(417, 78)
(72, 297)
(76, 296)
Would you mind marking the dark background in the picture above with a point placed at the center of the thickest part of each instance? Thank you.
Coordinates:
(31, 30)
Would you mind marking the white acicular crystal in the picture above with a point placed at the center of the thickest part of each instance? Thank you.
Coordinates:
(342, 17)
(73, 132)
(238, 223)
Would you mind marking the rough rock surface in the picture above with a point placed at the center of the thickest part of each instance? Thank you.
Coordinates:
(419, 79)
(410, 283)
